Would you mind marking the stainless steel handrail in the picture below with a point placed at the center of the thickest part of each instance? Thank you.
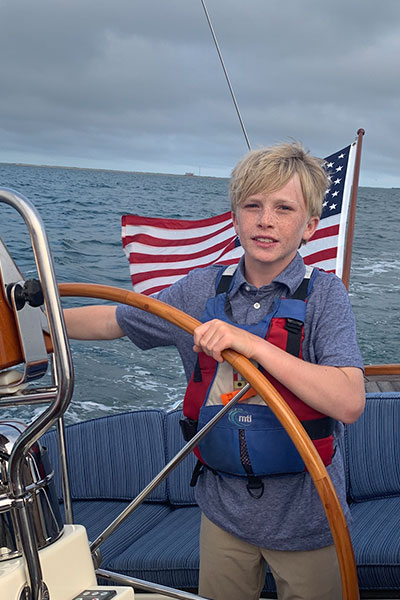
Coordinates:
(62, 447)
(147, 586)
(37, 396)
(63, 373)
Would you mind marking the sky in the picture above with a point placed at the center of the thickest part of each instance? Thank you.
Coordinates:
(137, 85)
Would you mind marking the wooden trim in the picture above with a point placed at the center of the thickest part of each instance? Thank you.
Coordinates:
(288, 419)
(11, 353)
(393, 369)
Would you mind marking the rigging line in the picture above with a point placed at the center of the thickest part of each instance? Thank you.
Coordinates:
(226, 74)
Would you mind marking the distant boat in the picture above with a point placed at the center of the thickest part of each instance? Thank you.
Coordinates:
(189, 174)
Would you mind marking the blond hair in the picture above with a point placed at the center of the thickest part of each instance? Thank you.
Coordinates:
(269, 169)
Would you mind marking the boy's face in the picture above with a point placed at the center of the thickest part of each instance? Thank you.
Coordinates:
(271, 227)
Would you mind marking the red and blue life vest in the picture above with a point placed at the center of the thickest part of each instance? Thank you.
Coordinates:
(249, 440)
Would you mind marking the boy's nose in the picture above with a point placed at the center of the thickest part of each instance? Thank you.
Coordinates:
(266, 218)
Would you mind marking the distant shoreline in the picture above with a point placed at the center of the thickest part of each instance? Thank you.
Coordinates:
(191, 175)
(187, 175)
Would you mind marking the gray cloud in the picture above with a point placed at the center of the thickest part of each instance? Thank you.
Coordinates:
(137, 85)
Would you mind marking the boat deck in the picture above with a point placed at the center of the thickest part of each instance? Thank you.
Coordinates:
(382, 383)
(382, 378)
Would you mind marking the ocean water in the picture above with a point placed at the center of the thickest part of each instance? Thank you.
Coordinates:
(82, 212)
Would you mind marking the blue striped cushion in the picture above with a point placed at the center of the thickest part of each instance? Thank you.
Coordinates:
(168, 554)
(178, 488)
(373, 449)
(376, 541)
(49, 441)
(97, 515)
(341, 442)
(113, 457)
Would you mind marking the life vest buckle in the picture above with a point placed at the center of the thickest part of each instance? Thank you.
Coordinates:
(255, 486)
(225, 398)
(188, 427)
(293, 325)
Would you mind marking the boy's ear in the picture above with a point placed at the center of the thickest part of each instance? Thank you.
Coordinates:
(310, 228)
(235, 223)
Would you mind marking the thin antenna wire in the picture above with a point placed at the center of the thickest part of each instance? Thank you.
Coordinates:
(226, 74)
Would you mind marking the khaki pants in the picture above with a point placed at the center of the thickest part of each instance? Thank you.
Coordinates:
(231, 569)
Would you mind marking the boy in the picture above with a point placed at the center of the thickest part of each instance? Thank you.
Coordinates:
(276, 517)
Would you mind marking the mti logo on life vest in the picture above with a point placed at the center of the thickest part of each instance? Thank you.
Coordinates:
(239, 417)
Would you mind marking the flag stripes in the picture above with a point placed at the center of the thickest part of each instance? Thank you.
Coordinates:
(161, 251)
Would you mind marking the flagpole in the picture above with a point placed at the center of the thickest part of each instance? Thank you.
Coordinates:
(352, 216)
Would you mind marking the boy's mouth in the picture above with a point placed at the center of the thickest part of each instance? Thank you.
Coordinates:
(264, 240)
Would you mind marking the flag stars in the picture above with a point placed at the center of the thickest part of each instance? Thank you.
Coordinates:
(150, 281)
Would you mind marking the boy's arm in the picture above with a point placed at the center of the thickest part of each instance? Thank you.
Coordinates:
(335, 391)
(92, 323)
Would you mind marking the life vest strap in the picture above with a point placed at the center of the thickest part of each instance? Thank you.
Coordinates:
(255, 486)
(302, 291)
(197, 378)
(188, 427)
(318, 429)
(197, 471)
(226, 279)
(294, 329)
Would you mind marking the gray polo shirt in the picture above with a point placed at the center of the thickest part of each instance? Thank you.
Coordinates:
(289, 515)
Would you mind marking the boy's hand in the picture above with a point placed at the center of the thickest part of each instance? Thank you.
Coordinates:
(215, 336)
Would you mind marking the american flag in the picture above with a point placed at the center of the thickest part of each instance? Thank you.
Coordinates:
(161, 251)
(326, 248)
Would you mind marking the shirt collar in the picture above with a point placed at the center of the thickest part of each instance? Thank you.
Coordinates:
(290, 277)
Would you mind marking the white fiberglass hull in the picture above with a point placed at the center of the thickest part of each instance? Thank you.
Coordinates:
(67, 569)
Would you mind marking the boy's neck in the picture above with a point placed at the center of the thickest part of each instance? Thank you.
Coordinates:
(260, 274)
